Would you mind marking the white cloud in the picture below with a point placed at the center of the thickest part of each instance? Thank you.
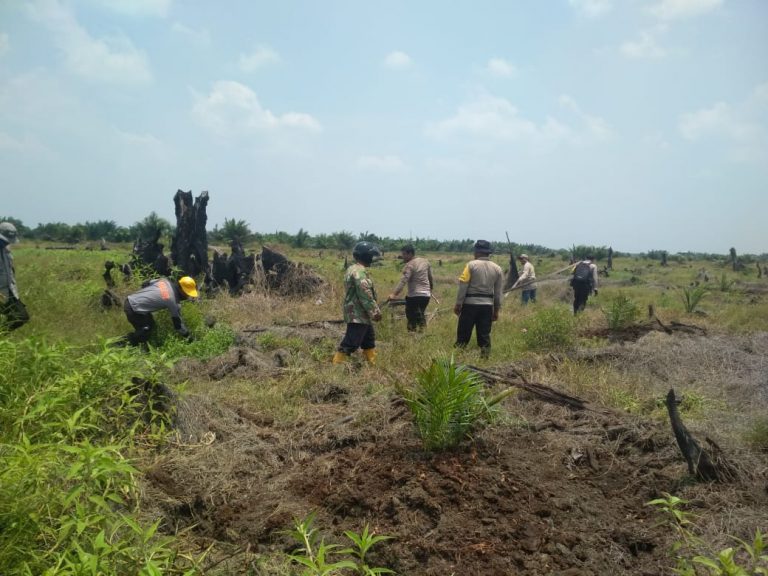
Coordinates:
(596, 126)
(380, 163)
(719, 120)
(111, 60)
(397, 61)
(260, 57)
(645, 47)
(140, 8)
(27, 144)
(197, 36)
(500, 67)
(741, 128)
(668, 10)
(592, 8)
(147, 144)
(489, 117)
(232, 110)
(5, 44)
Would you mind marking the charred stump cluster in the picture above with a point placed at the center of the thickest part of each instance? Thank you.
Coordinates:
(189, 257)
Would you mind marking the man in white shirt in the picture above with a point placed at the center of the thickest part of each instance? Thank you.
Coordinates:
(527, 280)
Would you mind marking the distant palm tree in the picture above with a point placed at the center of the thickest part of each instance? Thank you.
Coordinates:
(151, 227)
(235, 230)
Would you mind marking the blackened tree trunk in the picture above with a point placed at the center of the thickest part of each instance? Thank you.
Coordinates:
(734, 259)
(610, 258)
(189, 247)
(513, 274)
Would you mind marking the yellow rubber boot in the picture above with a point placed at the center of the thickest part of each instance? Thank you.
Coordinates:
(340, 358)
(370, 355)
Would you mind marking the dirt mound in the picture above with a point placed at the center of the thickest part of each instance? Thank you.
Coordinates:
(564, 491)
(551, 490)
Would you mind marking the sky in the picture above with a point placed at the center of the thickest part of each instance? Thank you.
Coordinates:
(636, 124)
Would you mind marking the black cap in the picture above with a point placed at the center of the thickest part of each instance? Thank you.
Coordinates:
(483, 246)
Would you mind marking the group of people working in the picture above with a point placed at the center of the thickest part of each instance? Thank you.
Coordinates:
(477, 305)
(478, 300)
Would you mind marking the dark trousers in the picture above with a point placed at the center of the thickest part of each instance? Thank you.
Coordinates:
(142, 323)
(15, 313)
(529, 296)
(581, 293)
(414, 312)
(479, 317)
(358, 336)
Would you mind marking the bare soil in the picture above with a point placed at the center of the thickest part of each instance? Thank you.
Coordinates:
(549, 491)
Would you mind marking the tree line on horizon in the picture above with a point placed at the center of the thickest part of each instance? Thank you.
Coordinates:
(233, 229)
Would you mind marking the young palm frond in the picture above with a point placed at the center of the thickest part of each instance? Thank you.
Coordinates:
(447, 403)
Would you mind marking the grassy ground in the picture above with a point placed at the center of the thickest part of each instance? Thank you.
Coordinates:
(543, 341)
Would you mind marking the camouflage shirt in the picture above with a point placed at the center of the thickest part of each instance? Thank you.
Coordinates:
(360, 298)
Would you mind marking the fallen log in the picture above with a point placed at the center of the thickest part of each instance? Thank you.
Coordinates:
(540, 391)
(712, 467)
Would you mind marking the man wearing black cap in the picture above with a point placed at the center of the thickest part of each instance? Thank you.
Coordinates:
(479, 298)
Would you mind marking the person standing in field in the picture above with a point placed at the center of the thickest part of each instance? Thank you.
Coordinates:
(14, 313)
(155, 295)
(479, 298)
(417, 275)
(527, 280)
(583, 282)
(360, 308)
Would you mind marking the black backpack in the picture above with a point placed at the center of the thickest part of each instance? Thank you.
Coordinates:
(582, 274)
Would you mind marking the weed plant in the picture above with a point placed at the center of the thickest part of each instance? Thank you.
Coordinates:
(692, 552)
(757, 434)
(550, 328)
(68, 495)
(315, 555)
(622, 312)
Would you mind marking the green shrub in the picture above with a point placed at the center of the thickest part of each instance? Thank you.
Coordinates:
(68, 493)
(622, 312)
(447, 403)
(549, 329)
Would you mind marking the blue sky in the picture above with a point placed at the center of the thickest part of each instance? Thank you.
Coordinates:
(636, 124)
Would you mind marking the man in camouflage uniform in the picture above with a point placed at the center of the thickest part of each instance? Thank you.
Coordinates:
(360, 307)
(13, 313)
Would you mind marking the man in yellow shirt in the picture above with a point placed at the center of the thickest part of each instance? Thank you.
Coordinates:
(479, 298)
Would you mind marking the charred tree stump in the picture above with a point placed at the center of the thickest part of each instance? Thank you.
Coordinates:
(287, 278)
(512, 274)
(701, 464)
(189, 247)
(108, 266)
(148, 252)
(610, 258)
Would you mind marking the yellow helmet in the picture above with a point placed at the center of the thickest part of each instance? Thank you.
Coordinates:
(188, 286)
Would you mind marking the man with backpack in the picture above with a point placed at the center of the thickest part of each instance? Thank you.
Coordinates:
(583, 282)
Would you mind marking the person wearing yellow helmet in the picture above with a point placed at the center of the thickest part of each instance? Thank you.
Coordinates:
(155, 295)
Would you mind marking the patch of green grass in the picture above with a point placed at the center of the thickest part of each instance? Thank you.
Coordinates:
(757, 434)
(550, 328)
